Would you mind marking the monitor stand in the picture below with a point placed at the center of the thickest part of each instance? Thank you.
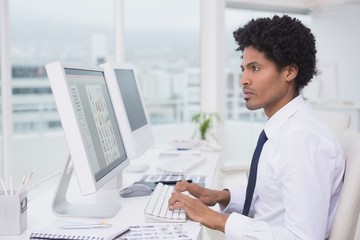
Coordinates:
(62, 207)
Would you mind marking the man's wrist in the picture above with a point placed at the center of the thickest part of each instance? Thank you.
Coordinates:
(221, 222)
(224, 197)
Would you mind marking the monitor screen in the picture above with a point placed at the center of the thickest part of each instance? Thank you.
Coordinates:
(131, 98)
(97, 151)
(96, 119)
(129, 109)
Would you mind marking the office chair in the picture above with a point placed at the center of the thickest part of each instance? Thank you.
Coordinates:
(338, 122)
(347, 213)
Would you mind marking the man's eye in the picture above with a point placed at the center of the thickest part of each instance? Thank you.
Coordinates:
(255, 68)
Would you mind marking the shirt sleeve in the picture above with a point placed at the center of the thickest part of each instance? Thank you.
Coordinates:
(237, 198)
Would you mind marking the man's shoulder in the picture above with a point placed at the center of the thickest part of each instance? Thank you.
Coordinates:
(305, 122)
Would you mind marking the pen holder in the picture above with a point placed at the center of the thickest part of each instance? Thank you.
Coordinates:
(13, 213)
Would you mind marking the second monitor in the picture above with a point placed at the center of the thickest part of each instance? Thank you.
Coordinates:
(129, 108)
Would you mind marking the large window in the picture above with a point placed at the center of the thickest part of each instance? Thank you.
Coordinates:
(77, 32)
(162, 39)
(160, 42)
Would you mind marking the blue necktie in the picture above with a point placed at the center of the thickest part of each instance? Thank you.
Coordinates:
(253, 172)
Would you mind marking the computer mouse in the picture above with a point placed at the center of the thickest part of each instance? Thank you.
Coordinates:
(136, 190)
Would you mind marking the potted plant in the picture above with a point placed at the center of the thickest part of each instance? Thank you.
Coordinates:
(205, 122)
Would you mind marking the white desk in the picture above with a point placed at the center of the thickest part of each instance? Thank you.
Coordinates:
(39, 212)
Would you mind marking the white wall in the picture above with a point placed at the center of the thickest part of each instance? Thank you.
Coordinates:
(337, 35)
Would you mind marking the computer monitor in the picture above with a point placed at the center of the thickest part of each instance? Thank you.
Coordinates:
(129, 108)
(97, 152)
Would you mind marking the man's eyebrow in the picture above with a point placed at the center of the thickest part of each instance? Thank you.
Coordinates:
(250, 64)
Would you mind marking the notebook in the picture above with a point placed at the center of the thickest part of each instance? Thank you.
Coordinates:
(79, 230)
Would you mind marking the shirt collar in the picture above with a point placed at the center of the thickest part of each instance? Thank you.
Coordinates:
(278, 119)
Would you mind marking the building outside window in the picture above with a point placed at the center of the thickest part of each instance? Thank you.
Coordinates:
(164, 46)
(79, 32)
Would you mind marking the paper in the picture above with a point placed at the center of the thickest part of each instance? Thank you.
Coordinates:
(161, 231)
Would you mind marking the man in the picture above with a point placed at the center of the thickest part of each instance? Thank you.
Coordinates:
(301, 165)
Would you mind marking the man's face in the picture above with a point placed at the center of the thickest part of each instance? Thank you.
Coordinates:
(263, 85)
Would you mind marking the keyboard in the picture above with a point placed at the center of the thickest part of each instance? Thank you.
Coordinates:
(180, 164)
(157, 209)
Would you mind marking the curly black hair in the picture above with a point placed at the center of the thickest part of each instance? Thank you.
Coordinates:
(283, 40)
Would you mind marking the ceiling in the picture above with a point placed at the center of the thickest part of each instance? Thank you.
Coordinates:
(299, 6)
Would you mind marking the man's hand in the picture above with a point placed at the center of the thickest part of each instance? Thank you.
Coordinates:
(207, 196)
(196, 206)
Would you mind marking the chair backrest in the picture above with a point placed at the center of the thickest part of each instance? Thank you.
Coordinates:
(336, 121)
(347, 213)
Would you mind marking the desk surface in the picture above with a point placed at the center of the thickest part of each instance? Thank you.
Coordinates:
(40, 215)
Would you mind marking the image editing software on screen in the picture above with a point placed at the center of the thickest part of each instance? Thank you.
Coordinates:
(97, 151)
(130, 110)
(97, 120)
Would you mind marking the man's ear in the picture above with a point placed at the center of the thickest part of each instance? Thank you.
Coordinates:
(291, 72)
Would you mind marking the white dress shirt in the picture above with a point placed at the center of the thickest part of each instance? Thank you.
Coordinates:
(298, 184)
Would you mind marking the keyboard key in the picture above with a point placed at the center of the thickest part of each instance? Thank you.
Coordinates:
(157, 209)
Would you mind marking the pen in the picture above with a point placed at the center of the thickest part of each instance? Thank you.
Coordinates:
(85, 226)
(122, 232)
(172, 182)
(27, 179)
(3, 186)
(22, 184)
